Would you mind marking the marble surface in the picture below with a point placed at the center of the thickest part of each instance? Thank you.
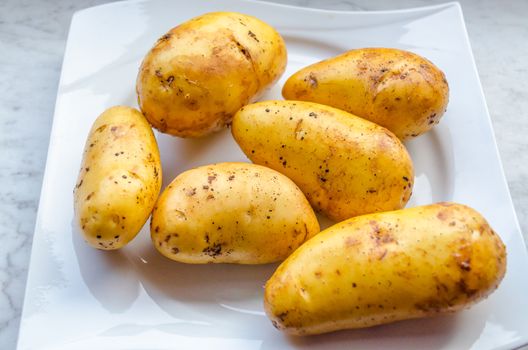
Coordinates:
(32, 38)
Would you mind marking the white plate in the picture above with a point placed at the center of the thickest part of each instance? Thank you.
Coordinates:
(80, 298)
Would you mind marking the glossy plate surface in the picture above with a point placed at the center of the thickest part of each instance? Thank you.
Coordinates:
(80, 298)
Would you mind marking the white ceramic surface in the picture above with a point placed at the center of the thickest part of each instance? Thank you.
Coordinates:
(80, 298)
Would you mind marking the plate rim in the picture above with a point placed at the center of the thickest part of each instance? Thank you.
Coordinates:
(440, 6)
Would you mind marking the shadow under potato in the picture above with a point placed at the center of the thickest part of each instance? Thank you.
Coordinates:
(107, 274)
(225, 301)
(208, 283)
(433, 159)
(182, 154)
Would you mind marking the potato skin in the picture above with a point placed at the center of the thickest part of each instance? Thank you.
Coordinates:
(201, 72)
(231, 213)
(397, 89)
(386, 267)
(119, 180)
(345, 165)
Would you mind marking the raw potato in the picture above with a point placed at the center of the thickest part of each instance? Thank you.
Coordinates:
(201, 72)
(231, 213)
(397, 89)
(345, 165)
(119, 180)
(385, 267)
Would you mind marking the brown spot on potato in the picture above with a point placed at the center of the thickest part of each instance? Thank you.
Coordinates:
(191, 191)
(381, 236)
(101, 128)
(430, 305)
(312, 80)
(165, 37)
(180, 214)
(298, 132)
(442, 215)
(318, 274)
(251, 34)
(211, 178)
(465, 265)
(117, 132)
(213, 250)
(282, 316)
(464, 288)
(351, 241)
(191, 103)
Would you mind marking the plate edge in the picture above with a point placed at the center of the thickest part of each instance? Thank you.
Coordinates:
(489, 122)
(441, 6)
(45, 181)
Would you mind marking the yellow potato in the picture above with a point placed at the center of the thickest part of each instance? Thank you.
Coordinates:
(231, 213)
(399, 90)
(386, 267)
(201, 72)
(119, 180)
(345, 165)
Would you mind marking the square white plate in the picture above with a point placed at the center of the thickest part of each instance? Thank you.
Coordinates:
(81, 298)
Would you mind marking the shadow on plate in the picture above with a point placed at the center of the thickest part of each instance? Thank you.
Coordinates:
(426, 333)
(107, 274)
(434, 169)
(225, 301)
(179, 154)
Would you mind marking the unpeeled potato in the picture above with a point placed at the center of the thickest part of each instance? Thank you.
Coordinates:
(201, 72)
(345, 165)
(231, 213)
(119, 180)
(397, 89)
(385, 267)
